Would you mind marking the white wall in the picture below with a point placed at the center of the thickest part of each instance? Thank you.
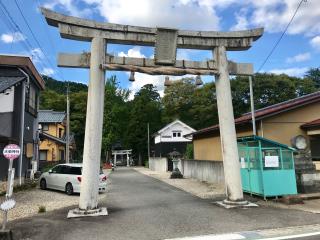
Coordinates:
(6, 101)
(167, 135)
(158, 164)
(209, 171)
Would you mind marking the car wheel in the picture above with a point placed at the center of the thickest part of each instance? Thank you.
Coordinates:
(43, 184)
(69, 189)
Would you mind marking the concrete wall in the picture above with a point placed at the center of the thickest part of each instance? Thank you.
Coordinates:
(158, 164)
(209, 171)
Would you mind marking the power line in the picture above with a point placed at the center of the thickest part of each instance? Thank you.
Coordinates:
(33, 35)
(283, 33)
(11, 24)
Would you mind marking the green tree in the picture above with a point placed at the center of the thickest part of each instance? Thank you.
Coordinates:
(50, 99)
(178, 99)
(145, 108)
(78, 107)
(116, 114)
(314, 75)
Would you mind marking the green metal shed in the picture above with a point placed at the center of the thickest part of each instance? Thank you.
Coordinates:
(267, 167)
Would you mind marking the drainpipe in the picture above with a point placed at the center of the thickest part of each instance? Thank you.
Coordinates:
(21, 135)
(254, 130)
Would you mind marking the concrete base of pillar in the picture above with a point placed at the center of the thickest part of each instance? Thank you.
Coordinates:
(76, 213)
(6, 234)
(235, 204)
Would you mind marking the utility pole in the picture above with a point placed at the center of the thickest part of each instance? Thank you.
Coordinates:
(254, 129)
(68, 128)
(24, 86)
(148, 142)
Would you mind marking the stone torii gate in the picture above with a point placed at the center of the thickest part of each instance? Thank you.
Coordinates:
(166, 41)
(127, 153)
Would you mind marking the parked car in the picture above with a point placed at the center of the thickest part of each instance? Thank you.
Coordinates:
(67, 178)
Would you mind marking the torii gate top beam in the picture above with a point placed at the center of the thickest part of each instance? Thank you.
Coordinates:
(84, 30)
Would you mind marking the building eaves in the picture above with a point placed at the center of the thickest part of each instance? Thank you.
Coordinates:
(267, 111)
(50, 137)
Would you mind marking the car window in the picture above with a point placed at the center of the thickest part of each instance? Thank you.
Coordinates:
(56, 169)
(75, 171)
(65, 169)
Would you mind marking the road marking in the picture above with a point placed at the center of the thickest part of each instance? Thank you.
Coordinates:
(293, 236)
(213, 237)
(234, 236)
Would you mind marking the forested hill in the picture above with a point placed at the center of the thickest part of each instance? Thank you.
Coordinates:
(60, 86)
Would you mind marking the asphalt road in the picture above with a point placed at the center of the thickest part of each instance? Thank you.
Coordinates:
(141, 207)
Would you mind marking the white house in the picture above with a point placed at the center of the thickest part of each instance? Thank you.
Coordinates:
(171, 137)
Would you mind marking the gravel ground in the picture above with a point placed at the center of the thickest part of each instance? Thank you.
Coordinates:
(29, 201)
(200, 189)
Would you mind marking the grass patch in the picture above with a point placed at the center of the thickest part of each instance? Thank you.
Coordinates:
(42, 209)
(24, 187)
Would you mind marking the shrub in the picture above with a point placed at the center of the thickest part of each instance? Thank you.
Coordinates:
(146, 164)
(42, 209)
(189, 151)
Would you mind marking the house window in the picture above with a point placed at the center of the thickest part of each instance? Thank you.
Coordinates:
(31, 100)
(43, 155)
(60, 132)
(176, 134)
(45, 127)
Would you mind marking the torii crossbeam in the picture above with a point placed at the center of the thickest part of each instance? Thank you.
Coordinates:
(166, 41)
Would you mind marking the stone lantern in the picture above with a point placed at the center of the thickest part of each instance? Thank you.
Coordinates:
(175, 158)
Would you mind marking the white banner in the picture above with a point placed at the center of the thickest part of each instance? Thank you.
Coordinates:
(271, 161)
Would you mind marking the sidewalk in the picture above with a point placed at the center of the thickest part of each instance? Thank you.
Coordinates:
(200, 189)
(206, 190)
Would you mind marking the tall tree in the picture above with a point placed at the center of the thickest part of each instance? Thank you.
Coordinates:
(116, 114)
(178, 100)
(314, 75)
(145, 108)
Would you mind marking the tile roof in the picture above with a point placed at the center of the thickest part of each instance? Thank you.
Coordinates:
(7, 82)
(314, 123)
(269, 111)
(48, 136)
(50, 116)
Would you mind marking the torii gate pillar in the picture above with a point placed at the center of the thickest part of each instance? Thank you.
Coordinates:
(228, 135)
(93, 134)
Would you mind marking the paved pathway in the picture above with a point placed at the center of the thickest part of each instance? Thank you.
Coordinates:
(141, 207)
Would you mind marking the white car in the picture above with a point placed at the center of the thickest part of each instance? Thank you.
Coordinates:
(67, 178)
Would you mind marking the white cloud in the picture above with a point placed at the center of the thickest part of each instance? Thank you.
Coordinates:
(295, 72)
(47, 71)
(299, 58)
(69, 6)
(315, 42)
(165, 13)
(36, 55)
(274, 15)
(142, 79)
(12, 37)
(242, 21)
(133, 52)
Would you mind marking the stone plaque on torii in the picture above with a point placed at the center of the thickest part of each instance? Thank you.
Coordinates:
(166, 41)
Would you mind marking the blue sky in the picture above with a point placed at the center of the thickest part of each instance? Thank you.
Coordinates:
(298, 50)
